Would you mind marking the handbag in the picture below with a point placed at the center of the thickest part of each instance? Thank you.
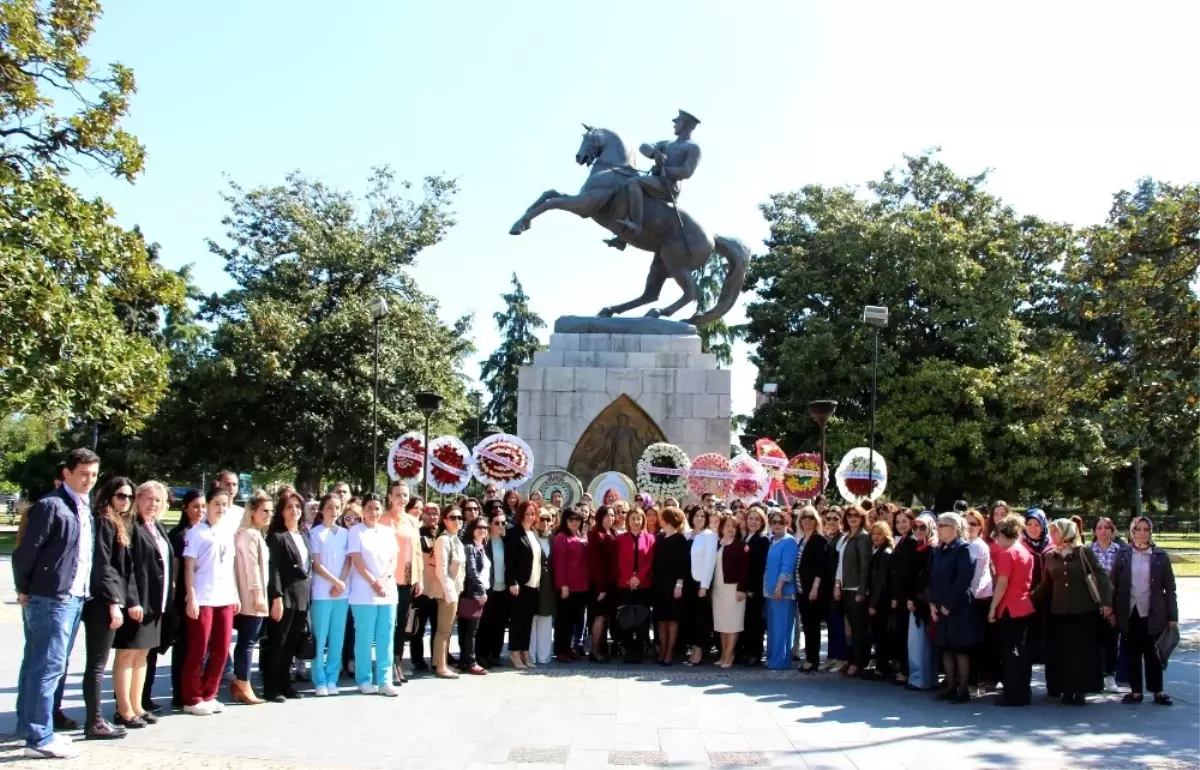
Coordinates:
(470, 608)
(307, 649)
(1165, 644)
(410, 621)
(1089, 577)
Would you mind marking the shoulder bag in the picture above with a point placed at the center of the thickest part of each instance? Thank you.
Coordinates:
(1089, 577)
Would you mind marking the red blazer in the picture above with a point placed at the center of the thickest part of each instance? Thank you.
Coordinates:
(568, 557)
(735, 562)
(602, 560)
(625, 560)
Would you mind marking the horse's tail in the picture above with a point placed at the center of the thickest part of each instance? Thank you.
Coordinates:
(738, 258)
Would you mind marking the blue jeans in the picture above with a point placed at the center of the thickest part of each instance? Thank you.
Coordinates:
(373, 625)
(922, 656)
(329, 631)
(248, 629)
(50, 629)
(838, 649)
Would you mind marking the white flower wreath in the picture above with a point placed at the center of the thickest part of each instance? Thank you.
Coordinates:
(662, 471)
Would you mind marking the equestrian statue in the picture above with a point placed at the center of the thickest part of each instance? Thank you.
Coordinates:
(640, 210)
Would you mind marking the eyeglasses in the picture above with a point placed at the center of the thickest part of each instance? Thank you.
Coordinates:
(920, 528)
(122, 496)
(472, 508)
(547, 519)
(776, 521)
(454, 517)
(831, 519)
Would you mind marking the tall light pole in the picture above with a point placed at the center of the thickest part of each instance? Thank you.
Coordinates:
(876, 316)
(821, 410)
(379, 309)
(428, 402)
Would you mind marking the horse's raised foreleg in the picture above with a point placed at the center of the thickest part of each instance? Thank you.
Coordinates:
(654, 284)
(524, 222)
(684, 278)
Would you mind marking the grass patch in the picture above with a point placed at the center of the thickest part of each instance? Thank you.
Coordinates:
(1185, 565)
(1176, 542)
(8, 541)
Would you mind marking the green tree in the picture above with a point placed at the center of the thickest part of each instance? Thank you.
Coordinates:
(1129, 300)
(716, 337)
(56, 113)
(68, 268)
(21, 437)
(285, 380)
(517, 324)
(957, 268)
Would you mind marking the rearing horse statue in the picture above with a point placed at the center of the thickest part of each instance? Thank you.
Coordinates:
(680, 246)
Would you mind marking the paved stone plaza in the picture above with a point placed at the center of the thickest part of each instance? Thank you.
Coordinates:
(578, 716)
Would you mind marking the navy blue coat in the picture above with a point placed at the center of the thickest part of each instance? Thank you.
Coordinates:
(44, 563)
(950, 575)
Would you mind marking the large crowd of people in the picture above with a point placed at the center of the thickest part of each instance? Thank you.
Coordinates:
(963, 603)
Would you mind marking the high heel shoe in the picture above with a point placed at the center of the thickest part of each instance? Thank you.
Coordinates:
(515, 659)
(527, 660)
(243, 693)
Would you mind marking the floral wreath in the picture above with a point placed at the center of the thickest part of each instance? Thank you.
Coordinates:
(750, 480)
(710, 473)
(802, 476)
(450, 465)
(406, 457)
(662, 471)
(558, 481)
(504, 460)
(855, 479)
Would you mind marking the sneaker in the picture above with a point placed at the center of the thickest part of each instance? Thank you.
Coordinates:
(57, 747)
(389, 690)
(368, 689)
(201, 709)
(216, 706)
(332, 690)
(320, 691)
(1110, 684)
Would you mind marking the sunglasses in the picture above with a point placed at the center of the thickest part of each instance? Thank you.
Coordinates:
(921, 528)
(472, 508)
(776, 521)
(454, 517)
(547, 519)
(122, 496)
(498, 522)
(831, 518)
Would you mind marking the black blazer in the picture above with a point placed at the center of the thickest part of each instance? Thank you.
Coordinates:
(44, 562)
(831, 565)
(878, 594)
(518, 558)
(287, 577)
(110, 566)
(812, 564)
(756, 566)
(148, 574)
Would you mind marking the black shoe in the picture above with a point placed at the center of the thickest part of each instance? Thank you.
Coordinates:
(150, 707)
(274, 699)
(1078, 700)
(420, 665)
(945, 695)
(961, 697)
(104, 731)
(149, 718)
(176, 705)
(64, 722)
(292, 695)
(137, 723)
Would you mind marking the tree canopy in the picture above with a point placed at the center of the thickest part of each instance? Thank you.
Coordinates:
(70, 272)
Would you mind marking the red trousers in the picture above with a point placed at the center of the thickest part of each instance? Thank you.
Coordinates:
(208, 638)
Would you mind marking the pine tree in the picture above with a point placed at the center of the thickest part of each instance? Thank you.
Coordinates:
(517, 325)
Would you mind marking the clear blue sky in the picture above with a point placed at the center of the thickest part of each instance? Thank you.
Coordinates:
(1067, 102)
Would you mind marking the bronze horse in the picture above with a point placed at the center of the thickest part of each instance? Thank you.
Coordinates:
(678, 251)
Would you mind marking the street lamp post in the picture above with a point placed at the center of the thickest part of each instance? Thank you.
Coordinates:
(379, 309)
(428, 402)
(821, 411)
(876, 316)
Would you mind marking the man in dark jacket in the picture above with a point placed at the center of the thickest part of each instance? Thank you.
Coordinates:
(51, 568)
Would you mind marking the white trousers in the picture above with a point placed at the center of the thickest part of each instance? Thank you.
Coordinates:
(541, 641)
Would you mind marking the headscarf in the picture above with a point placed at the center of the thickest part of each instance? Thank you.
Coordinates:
(1039, 544)
(930, 530)
(1149, 541)
(645, 501)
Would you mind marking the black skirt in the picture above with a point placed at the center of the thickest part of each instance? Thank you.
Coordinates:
(666, 606)
(146, 635)
(1073, 655)
(600, 608)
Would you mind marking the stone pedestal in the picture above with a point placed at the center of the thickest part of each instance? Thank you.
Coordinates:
(575, 388)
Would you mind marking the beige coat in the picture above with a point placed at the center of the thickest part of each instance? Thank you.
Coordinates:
(251, 560)
(449, 560)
